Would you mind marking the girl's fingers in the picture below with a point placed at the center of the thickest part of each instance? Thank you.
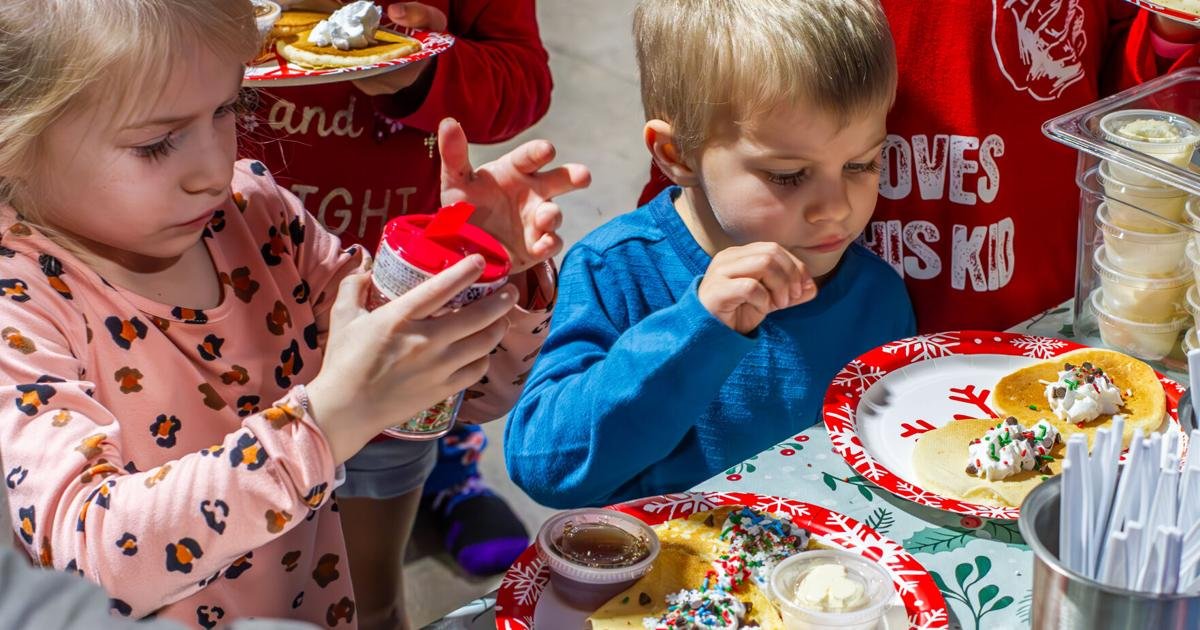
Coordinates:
(456, 159)
(350, 300)
(430, 296)
(562, 180)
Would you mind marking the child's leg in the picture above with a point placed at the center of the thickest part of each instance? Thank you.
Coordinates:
(378, 505)
(377, 533)
(478, 528)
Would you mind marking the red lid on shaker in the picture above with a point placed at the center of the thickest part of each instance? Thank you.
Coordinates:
(435, 242)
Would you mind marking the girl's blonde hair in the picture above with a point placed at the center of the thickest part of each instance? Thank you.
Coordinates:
(705, 62)
(61, 56)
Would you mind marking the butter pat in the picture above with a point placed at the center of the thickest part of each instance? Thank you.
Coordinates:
(827, 589)
(349, 28)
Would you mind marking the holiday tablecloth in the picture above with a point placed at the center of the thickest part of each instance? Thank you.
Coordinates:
(982, 567)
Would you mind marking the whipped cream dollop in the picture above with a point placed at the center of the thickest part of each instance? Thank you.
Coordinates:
(700, 609)
(350, 27)
(827, 588)
(1010, 448)
(1150, 130)
(1082, 394)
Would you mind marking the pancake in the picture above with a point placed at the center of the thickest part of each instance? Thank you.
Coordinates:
(940, 462)
(295, 22)
(688, 548)
(1144, 405)
(298, 50)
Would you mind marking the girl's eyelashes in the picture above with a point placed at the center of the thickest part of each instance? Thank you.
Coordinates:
(158, 150)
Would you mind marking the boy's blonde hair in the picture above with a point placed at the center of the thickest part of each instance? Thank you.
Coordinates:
(704, 62)
(60, 56)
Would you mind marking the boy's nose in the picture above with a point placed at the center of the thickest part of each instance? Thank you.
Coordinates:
(830, 203)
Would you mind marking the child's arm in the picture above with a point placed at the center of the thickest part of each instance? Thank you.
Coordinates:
(607, 400)
(495, 80)
(148, 537)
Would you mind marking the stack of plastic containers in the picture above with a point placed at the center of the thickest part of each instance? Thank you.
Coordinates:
(1139, 254)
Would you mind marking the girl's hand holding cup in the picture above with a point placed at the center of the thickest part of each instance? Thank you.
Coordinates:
(391, 363)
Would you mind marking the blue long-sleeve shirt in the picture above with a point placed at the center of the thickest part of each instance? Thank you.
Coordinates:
(639, 390)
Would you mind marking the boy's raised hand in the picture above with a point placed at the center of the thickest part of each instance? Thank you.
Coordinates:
(512, 195)
(745, 284)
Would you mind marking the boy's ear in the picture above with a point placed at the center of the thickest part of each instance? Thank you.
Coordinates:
(660, 141)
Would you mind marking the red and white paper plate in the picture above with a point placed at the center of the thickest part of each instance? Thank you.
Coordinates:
(525, 582)
(1179, 15)
(279, 72)
(881, 403)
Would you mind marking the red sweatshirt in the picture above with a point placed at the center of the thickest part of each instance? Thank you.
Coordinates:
(978, 210)
(356, 160)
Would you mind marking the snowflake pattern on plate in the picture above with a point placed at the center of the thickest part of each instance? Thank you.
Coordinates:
(924, 605)
(842, 400)
(858, 376)
(924, 347)
(1039, 347)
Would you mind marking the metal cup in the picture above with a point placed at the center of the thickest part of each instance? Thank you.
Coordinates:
(1065, 599)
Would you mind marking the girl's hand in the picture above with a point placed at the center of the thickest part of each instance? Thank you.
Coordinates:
(512, 195)
(385, 366)
(745, 284)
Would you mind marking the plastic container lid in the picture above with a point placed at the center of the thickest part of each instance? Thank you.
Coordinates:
(448, 241)
(1104, 221)
(1193, 300)
(1160, 192)
(877, 586)
(1111, 123)
(1174, 325)
(1193, 254)
(1110, 273)
(1190, 341)
(546, 546)
(1193, 211)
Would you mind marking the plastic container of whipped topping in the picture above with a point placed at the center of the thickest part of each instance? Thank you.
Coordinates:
(1142, 340)
(876, 584)
(1149, 254)
(1127, 201)
(1176, 151)
(1142, 299)
(585, 584)
(416, 247)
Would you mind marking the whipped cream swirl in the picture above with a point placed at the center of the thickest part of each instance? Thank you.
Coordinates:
(1082, 394)
(1010, 448)
(350, 27)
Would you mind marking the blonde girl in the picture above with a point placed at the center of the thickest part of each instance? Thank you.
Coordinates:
(185, 360)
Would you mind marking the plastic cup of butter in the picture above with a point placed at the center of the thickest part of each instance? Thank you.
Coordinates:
(799, 577)
(593, 554)
(1144, 341)
(266, 14)
(1161, 135)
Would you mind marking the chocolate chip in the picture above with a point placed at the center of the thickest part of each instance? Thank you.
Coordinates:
(711, 521)
(644, 599)
(1060, 392)
(749, 607)
(1068, 367)
(1087, 365)
(1010, 420)
(971, 469)
(1091, 379)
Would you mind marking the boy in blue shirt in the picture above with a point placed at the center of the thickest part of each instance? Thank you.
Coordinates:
(705, 326)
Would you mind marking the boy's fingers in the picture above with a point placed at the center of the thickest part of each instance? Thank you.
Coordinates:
(430, 296)
(530, 157)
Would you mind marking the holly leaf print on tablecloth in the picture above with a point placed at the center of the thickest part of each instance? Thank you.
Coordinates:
(984, 601)
(949, 538)
(857, 481)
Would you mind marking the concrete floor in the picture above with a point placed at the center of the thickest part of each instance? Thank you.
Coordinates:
(596, 119)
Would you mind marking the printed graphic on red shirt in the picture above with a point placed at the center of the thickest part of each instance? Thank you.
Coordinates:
(1039, 44)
